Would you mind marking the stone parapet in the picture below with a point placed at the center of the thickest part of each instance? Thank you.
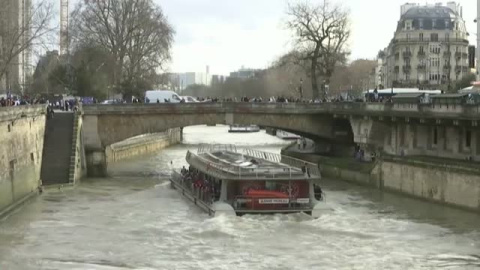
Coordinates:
(16, 112)
(422, 111)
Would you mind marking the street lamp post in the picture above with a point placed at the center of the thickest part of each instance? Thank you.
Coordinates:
(478, 40)
(301, 88)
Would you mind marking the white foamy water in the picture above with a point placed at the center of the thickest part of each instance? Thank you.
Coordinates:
(133, 220)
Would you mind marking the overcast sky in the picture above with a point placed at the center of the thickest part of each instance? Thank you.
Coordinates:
(229, 34)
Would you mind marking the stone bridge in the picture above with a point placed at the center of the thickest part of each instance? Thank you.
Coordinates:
(425, 129)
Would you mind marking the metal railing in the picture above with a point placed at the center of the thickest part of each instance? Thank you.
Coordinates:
(290, 161)
(230, 171)
(209, 148)
(263, 155)
(428, 39)
(199, 194)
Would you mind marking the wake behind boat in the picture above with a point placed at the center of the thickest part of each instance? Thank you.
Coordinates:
(220, 179)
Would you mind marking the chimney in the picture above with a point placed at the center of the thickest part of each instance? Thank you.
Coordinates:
(453, 6)
(406, 7)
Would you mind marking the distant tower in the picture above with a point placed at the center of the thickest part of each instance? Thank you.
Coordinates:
(63, 27)
(207, 75)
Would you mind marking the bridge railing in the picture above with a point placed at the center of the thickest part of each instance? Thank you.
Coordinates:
(428, 110)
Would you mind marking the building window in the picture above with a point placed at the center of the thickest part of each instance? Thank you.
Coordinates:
(434, 23)
(32, 157)
(435, 136)
(434, 37)
(420, 36)
(420, 23)
(435, 48)
(408, 25)
(447, 24)
(434, 76)
(468, 138)
(421, 49)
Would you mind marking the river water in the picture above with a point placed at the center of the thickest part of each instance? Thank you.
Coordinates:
(133, 220)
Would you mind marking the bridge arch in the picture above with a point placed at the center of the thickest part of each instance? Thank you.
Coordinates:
(106, 125)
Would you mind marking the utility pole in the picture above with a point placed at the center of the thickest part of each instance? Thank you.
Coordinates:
(478, 40)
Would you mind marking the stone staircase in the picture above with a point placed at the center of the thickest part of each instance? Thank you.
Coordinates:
(59, 149)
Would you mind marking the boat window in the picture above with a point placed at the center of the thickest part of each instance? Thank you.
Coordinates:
(270, 185)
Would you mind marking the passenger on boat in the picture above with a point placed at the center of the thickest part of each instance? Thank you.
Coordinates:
(184, 171)
(318, 192)
(306, 170)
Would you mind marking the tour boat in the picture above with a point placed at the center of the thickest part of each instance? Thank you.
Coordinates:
(243, 128)
(222, 180)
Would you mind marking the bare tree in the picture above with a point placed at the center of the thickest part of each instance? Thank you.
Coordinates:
(18, 36)
(320, 32)
(352, 78)
(135, 32)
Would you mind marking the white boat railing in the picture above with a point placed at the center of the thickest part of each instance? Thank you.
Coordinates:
(235, 171)
(208, 148)
(263, 155)
(298, 163)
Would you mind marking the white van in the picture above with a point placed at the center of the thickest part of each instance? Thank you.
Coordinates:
(161, 96)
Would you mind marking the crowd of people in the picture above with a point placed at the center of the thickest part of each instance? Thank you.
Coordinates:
(9, 101)
(206, 187)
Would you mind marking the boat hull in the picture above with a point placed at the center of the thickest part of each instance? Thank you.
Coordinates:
(221, 208)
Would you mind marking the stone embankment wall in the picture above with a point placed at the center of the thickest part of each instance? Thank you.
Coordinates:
(339, 168)
(143, 144)
(451, 184)
(440, 181)
(21, 144)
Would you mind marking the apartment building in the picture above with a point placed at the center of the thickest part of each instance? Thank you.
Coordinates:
(429, 48)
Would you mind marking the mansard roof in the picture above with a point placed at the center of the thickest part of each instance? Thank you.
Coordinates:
(429, 12)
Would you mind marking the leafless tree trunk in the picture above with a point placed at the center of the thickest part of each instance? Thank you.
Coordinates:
(320, 35)
(135, 32)
(17, 36)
